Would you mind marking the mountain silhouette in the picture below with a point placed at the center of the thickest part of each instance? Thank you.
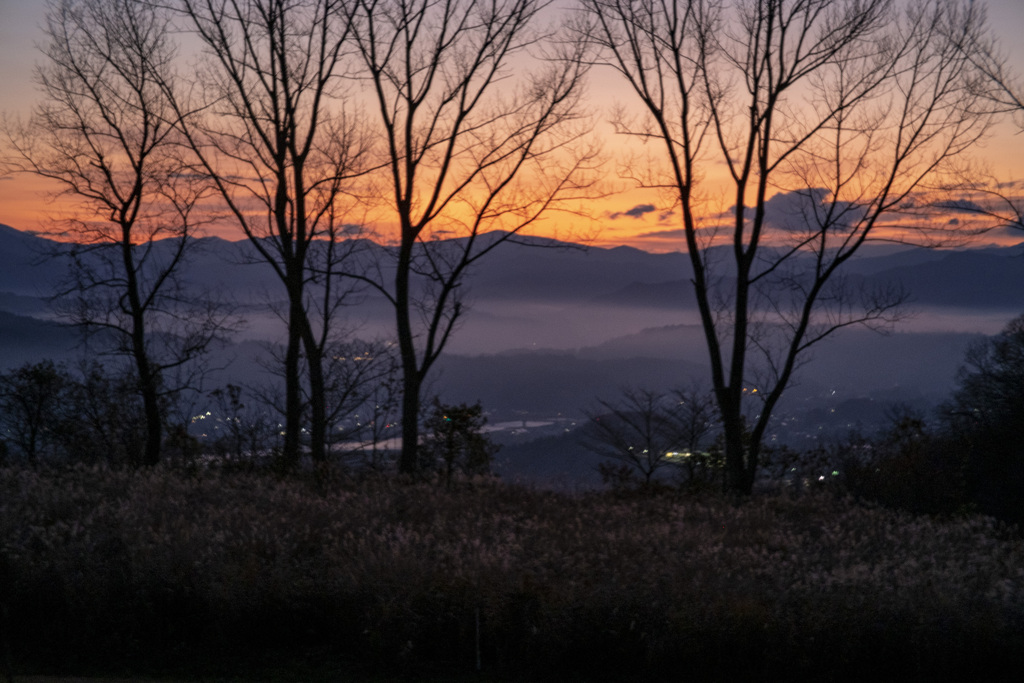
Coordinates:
(552, 325)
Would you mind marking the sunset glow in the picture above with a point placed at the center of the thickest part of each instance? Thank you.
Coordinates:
(623, 214)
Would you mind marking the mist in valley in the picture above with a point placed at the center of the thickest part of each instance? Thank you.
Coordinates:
(549, 331)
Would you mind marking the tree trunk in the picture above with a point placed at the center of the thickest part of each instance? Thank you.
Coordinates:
(149, 388)
(738, 453)
(317, 396)
(148, 384)
(408, 462)
(154, 422)
(292, 389)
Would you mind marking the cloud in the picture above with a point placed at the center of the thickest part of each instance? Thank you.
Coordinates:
(795, 211)
(189, 176)
(678, 233)
(807, 210)
(1013, 230)
(961, 205)
(636, 212)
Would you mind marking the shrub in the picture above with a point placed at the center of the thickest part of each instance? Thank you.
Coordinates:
(455, 442)
(908, 467)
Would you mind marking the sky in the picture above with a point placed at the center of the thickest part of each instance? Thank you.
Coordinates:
(626, 216)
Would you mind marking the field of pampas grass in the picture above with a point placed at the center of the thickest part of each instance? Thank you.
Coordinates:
(199, 573)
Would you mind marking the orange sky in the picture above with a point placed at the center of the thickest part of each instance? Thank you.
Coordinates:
(627, 216)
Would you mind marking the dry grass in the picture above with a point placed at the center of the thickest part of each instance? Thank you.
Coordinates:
(143, 570)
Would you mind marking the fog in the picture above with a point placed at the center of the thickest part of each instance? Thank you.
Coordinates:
(548, 331)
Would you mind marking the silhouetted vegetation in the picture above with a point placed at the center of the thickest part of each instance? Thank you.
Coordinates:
(93, 414)
(105, 135)
(648, 433)
(866, 558)
(984, 422)
(454, 442)
(479, 140)
(970, 458)
(730, 83)
(126, 570)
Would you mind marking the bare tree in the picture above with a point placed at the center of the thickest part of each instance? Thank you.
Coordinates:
(471, 152)
(1000, 83)
(638, 431)
(272, 133)
(105, 133)
(372, 420)
(30, 398)
(990, 202)
(694, 418)
(647, 431)
(827, 116)
(361, 388)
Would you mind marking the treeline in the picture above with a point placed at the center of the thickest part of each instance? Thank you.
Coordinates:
(53, 414)
(966, 456)
(303, 128)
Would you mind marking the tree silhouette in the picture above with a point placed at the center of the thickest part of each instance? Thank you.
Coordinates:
(468, 150)
(106, 133)
(455, 441)
(647, 431)
(827, 116)
(30, 399)
(992, 202)
(986, 415)
(272, 134)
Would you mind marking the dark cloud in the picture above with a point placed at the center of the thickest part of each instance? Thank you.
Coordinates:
(1015, 230)
(806, 210)
(961, 205)
(678, 233)
(636, 212)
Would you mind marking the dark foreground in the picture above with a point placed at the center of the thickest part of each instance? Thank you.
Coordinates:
(199, 574)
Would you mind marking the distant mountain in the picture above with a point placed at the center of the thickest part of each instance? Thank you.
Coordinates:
(28, 264)
(26, 340)
(553, 272)
(911, 367)
(983, 279)
(991, 278)
(607, 317)
(550, 383)
(670, 341)
(570, 272)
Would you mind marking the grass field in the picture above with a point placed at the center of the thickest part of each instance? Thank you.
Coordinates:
(192, 574)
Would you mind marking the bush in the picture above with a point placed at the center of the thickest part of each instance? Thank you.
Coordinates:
(455, 442)
(49, 413)
(646, 433)
(985, 418)
(908, 467)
